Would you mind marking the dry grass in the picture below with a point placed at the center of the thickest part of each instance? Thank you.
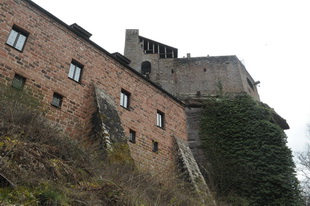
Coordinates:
(38, 166)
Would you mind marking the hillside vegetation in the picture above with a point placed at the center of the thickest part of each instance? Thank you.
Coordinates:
(250, 163)
(39, 166)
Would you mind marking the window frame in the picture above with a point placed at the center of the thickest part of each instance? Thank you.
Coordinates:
(160, 119)
(59, 97)
(125, 99)
(18, 85)
(132, 136)
(16, 37)
(74, 67)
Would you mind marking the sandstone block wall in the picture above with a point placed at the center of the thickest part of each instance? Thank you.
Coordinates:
(191, 79)
(45, 61)
(191, 76)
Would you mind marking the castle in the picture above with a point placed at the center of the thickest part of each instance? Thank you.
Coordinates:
(74, 79)
(149, 95)
(187, 77)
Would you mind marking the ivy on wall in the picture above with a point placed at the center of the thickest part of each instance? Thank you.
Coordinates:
(249, 162)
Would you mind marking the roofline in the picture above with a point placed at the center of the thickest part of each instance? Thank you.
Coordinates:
(204, 57)
(102, 50)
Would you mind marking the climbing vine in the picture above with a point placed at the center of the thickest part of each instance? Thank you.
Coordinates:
(250, 163)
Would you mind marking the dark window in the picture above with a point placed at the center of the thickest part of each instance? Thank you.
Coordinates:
(124, 100)
(132, 136)
(75, 71)
(162, 52)
(198, 94)
(18, 82)
(146, 68)
(154, 146)
(17, 38)
(160, 119)
(169, 53)
(57, 100)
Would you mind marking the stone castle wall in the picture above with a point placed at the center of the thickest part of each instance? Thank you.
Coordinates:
(189, 76)
(45, 61)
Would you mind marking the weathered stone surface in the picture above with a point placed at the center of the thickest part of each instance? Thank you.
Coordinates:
(106, 119)
(191, 171)
(190, 76)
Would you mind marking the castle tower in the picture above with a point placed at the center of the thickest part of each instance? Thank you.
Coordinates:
(132, 49)
(187, 77)
(191, 79)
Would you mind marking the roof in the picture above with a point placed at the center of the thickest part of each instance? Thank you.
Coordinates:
(121, 57)
(79, 31)
(157, 42)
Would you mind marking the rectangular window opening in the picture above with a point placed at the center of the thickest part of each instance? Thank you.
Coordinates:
(57, 100)
(75, 71)
(160, 119)
(132, 136)
(17, 38)
(154, 146)
(124, 99)
(18, 82)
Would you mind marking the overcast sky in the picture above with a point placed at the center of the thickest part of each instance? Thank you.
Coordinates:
(271, 37)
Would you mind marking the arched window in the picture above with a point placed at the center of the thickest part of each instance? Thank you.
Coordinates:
(145, 68)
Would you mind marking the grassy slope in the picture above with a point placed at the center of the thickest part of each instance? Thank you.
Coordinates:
(38, 166)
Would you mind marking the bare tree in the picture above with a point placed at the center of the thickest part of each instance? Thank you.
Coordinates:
(303, 164)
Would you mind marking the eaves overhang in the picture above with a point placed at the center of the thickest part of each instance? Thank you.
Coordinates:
(31, 3)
